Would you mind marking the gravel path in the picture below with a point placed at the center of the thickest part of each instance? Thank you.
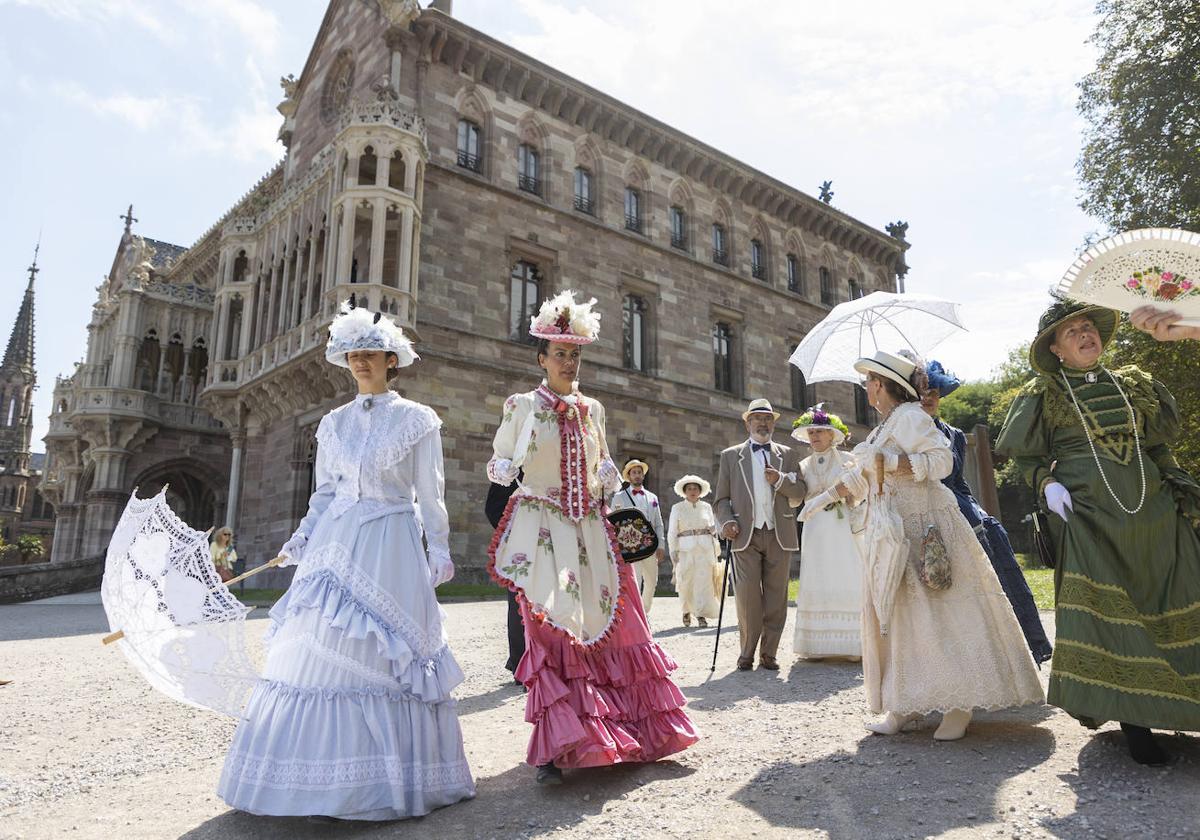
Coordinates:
(90, 751)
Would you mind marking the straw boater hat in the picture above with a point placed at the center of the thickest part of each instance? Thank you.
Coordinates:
(890, 366)
(759, 406)
(634, 462)
(818, 418)
(705, 487)
(562, 318)
(1040, 357)
(357, 328)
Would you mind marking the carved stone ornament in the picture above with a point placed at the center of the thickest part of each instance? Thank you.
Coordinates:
(899, 230)
(400, 12)
(288, 83)
(383, 90)
(338, 83)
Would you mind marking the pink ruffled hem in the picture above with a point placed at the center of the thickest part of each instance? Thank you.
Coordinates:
(594, 708)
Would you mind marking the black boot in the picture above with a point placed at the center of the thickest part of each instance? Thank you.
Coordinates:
(548, 774)
(1142, 746)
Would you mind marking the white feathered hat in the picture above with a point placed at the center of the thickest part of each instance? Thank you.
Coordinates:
(356, 328)
(562, 318)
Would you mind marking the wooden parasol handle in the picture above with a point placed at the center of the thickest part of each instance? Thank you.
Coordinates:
(879, 470)
(270, 564)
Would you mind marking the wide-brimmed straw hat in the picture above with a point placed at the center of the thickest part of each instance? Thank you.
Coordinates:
(705, 487)
(634, 462)
(1059, 312)
(890, 366)
(759, 406)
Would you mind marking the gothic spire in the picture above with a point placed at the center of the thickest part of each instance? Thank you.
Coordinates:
(19, 354)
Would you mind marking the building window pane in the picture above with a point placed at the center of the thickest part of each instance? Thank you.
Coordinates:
(719, 253)
(722, 342)
(828, 293)
(758, 260)
(525, 296)
(468, 146)
(633, 210)
(795, 280)
(583, 190)
(529, 169)
(803, 395)
(678, 228)
(856, 289)
(633, 317)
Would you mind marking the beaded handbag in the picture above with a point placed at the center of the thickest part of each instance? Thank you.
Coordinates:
(935, 560)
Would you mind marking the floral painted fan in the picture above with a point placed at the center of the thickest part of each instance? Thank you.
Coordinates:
(1157, 267)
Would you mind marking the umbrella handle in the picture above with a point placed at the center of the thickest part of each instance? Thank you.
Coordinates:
(270, 564)
(879, 470)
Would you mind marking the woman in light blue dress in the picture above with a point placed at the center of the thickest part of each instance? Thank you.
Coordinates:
(353, 718)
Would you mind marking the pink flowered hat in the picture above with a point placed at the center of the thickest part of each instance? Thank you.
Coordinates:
(562, 318)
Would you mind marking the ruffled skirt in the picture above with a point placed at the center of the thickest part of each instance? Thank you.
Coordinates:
(353, 717)
(613, 705)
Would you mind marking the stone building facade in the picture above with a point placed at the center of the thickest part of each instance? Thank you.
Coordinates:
(452, 182)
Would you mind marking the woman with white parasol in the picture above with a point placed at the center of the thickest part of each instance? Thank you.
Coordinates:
(353, 717)
(952, 644)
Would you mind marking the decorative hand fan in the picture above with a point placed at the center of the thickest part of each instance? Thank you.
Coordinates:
(1157, 267)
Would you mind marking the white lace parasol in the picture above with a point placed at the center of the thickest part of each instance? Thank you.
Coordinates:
(178, 624)
(1157, 267)
(878, 321)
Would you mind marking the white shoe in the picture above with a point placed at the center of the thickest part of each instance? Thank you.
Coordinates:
(891, 724)
(953, 726)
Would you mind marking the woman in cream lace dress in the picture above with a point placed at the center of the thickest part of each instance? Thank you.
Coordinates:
(951, 650)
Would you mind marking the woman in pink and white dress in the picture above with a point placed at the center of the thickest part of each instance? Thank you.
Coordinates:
(598, 686)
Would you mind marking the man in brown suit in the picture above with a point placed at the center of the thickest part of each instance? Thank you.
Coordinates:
(756, 481)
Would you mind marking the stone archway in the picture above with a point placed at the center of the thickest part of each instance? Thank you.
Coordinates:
(195, 492)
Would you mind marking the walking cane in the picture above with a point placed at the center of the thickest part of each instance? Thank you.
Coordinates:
(726, 550)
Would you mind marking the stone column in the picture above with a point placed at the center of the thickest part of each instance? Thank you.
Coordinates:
(238, 439)
(345, 245)
(106, 499)
(394, 38)
(243, 338)
(378, 230)
(310, 276)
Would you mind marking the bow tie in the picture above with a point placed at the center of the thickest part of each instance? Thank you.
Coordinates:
(639, 492)
(759, 447)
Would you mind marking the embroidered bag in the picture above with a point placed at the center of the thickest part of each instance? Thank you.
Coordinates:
(635, 535)
(935, 560)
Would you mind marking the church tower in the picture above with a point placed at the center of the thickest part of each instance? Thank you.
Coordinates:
(17, 381)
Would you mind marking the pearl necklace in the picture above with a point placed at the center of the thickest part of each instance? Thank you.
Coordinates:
(1096, 457)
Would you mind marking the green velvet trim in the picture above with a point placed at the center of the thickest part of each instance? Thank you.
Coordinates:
(1142, 675)
(1176, 628)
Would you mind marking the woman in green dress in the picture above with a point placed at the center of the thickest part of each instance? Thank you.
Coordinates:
(1095, 444)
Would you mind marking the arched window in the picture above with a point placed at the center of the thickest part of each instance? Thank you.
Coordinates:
(239, 267)
(795, 274)
(758, 260)
(678, 218)
(722, 345)
(720, 244)
(584, 198)
(469, 146)
(828, 292)
(525, 296)
(633, 210)
(633, 324)
(368, 167)
(396, 171)
(529, 173)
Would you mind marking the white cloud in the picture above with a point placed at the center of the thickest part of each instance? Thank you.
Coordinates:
(105, 12)
(250, 133)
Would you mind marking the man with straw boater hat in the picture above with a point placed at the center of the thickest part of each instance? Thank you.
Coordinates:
(757, 480)
(635, 495)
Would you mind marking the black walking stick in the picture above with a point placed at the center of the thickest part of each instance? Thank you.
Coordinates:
(727, 551)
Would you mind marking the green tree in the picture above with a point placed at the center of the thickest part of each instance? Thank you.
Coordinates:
(30, 547)
(1140, 165)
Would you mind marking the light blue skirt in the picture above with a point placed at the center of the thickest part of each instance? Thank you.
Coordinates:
(353, 717)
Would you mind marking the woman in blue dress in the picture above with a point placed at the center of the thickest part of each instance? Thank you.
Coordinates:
(988, 529)
(353, 717)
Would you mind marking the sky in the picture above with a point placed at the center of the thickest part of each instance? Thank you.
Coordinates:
(958, 118)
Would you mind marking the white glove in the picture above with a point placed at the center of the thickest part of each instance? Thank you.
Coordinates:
(441, 569)
(293, 550)
(1058, 499)
(817, 504)
(609, 475)
(501, 471)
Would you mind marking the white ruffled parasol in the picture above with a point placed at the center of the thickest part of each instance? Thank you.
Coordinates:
(177, 623)
(878, 321)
